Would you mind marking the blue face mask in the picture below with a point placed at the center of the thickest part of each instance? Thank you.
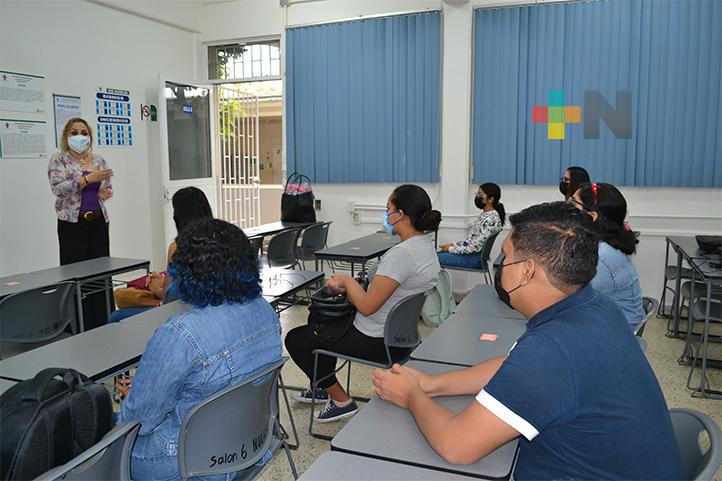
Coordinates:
(385, 222)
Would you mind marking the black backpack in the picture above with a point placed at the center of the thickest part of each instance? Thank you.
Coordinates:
(45, 422)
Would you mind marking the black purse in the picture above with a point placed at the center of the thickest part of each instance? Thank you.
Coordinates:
(297, 200)
(330, 314)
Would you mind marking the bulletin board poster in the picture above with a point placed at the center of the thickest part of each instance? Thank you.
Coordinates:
(65, 107)
(21, 92)
(22, 139)
(113, 113)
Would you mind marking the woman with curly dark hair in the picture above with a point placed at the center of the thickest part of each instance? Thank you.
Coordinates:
(410, 267)
(228, 332)
(190, 204)
(616, 276)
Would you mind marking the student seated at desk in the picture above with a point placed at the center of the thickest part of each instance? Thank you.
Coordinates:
(466, 253)
(408, 268)
(189, 205)
(572, 178)
(576, 387)
(229, 332)
(616, 276)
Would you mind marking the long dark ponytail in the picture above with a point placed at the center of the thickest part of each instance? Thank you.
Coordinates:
(493, 190)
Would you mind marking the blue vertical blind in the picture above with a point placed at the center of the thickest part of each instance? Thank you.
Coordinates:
(362, 100)
(668, 54)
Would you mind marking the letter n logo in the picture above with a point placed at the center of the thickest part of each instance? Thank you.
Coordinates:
(619, 119)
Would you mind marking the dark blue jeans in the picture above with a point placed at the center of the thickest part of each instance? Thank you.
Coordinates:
(470, 261)
(120, 314)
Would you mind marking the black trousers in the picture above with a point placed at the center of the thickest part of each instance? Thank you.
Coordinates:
(301, 342)
(80, 241)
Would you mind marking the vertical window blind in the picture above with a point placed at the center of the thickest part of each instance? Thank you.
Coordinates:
(363, 100)
(666, 54)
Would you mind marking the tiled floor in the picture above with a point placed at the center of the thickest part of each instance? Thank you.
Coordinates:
(662, 353)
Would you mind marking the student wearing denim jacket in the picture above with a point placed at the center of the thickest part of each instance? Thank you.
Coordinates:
(616, 276)
(228, 332)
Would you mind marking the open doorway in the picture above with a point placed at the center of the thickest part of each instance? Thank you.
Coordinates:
(249, 106)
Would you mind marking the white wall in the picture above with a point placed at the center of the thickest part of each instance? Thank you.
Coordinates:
(79, 46)
(656, 212)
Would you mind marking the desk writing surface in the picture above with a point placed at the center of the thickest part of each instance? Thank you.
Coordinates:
(277, 282)
(706, 263)
(274, 228)
(69, 272)
(336, 466)
(483, 301)
(369, 246)
(19, 283)
(96, 353)
(91, 268)
(385, 431)
(458, 339)
(92, 353)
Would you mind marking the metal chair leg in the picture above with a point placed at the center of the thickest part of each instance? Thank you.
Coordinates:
(290, 460)
(314, 386)
(290, 413)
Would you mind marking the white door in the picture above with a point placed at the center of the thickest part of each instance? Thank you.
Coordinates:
(186, 146)
(237, 127)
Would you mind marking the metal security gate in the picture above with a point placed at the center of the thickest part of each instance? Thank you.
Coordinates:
(239, 193)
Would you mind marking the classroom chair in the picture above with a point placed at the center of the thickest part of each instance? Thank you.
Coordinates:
(400, 331)
(109, 458)
(689, 425)
(232, 430)
(484, 254)
(36, 317)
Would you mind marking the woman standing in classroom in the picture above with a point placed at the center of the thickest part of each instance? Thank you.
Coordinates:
(80, 181)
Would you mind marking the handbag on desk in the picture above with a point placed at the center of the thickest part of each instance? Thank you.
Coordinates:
(137, 294)
(297, 200)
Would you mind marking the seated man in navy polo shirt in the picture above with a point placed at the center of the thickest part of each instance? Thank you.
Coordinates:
(576, 386)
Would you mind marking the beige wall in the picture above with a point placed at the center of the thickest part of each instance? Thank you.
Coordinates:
(270, 153)
(270, 203)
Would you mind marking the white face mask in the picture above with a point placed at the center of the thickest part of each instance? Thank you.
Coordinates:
(79, 143)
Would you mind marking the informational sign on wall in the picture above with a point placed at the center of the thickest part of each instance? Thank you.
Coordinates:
(113, 111)
(65, 107)
(20, 92)
(22, 139)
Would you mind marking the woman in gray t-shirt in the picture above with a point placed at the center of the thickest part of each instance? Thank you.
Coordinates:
(411, 267)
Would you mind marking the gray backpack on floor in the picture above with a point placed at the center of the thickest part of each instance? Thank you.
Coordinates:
(439, 303)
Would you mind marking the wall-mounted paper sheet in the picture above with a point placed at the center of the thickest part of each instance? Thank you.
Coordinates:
(22, 139)
(21, 92)
(65, 107)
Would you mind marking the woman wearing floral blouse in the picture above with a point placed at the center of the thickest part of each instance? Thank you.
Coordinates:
(80, 181)
(467, 253)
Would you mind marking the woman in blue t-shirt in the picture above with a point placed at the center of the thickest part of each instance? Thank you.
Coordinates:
(616, 276)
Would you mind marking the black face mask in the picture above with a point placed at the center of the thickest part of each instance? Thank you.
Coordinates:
(503, 295)
(479, 202)
(563, 187)
(500, 291)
